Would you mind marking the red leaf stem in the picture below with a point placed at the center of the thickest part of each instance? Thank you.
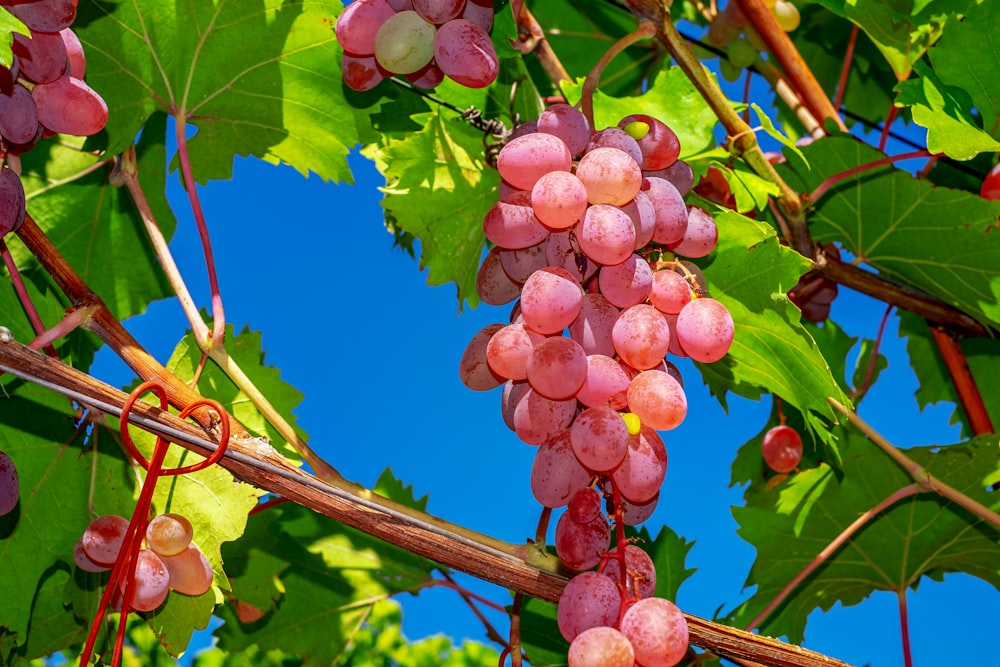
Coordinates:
(965, 384)
(24, 297)
(822, 188)
(904, 627)
(863, 387)
(846, 69)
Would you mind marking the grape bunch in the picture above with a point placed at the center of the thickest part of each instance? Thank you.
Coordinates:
(727, 25)
(424, 40)
(591, 235)
(42, 93)
(10, 485)
(168, 561)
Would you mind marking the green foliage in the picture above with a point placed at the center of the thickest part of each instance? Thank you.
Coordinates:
(9, 24)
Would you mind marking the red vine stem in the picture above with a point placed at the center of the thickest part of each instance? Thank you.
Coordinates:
(846, 69)
(904, 628)
(829, 550)
(861, 388)
(965, 384)
(822, 188)
(218, 313)
(917, 472)
(644, 31)
(24, 297)
(887, 126)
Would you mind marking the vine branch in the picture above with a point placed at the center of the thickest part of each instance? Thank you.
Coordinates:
(965, 384)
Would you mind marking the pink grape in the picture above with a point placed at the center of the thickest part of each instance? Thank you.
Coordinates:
(581, 545)
(405, 42)
(641, 336)
(675, 345)
(782, 448)
(152, 582)
(600, 438)
(430, 76)
(559, 199)
(641, 473)
(700, 237)
(473, 368)
(527, 158)
(705, 330)
(671, 211)
(513, 226)
(679, 174)
(359, 22)
(606, 234)
(639, 513)
(189, 570)
(626, 284)
(360, 73)
(550, 300)
(74, 51)
(658, 400)
(610, 175)
(493, 285)
(479, 12)
(84, 562)
(44, 15)
(42, 57)
(606, 383)
(102, 540)
(438, 11)
(401, 5)
(10, 484)
(670, 292)
(600, 647)
(569, 124)
(510, 397)
(563, 251)
(465, 53)
(585, 505)
(643, 216)
(69, 106)
(556, 368)
(556, 474)
(520, 263)
(660, 146)
(614, 137)
(593, 326)
(640, 579)
(536, 418)
(509, 349)
(169, 534)
(589, 600)
(658, 632)
(11, 201)
(18, 115)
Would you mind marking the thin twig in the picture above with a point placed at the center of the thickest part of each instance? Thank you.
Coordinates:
(904, 628)
(831, 181)
(644, 31)
(845, 70)
(965, 384)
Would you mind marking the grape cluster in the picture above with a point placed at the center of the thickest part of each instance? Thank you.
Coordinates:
(727, 25)
(814, 294)
(10, 485)
(424, 40)
(589, 232)
(169, 560)
(42, 93)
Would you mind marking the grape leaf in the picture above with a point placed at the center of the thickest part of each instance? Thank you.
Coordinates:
(670, 97)
(946, 112)
(905, 227)
(669, 552)
(245, 351)
(439, 189)
(921, 535)
(256, 78)
(540, 637)
(96, 226)
(9, 24)
(750, 272)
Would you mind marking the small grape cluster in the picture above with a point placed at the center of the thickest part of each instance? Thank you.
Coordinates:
(589, 232)
(727, 25)
(814, 294)
(169, 561)
(41, 93)
(10, 485)
(424, 40)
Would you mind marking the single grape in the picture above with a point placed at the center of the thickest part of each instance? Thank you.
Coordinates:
(102, 540)
(438, 11)
(428, 77)
(705, 330)
(563, 250)
(657, 630)
(536, 418)
(585, 505)
(600, 647)
(359, 22)
(669, 292)
(11, 201)
(465, 53)
(990, 188)
(74, 51)
(593, 326)
(640, 573)
(361, 73)
(600, 438)
(559, 199)
(626, 284)
(569, 124)
(18, 115)
(700, 237)
(641, 336)
(169, 534)
(606, 383)
(658, 399)
(643, 215)
(189, 570)
(84, 562)
(641, 473)
(405, 43)
(69, 106)
(637, 513)
(606, 234)
(556, 368)
(479, 12)
(473, 368)
(671, 211)
(590, 600)
(10, 484)
(513, 226)
(787, 14)
(679, 174)
(510, 397)
(152, 582)
(610, 175)
(509, 350)
(550, 300)
(527, 158)
(44, 15)
(615, 137)
(581, 545)
(782, 448)
(42, 57)
(493, 285)
(556, 473)
(520, 263)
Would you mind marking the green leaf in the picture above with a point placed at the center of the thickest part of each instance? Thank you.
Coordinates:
(904, 227)
(95, 226)
(245, 350)
(543, 643)
(946, 112)
(438, 188)
(776, 134)
(750, 190)
(9, 24)
(921, 535)
(903, 37)
(751, 272)
(257, 78)
(669, 552)
(670, 97)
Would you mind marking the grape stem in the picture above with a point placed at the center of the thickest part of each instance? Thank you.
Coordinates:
(965, 384)
(531, 39)
(830, 549)
(24, 297)
(831, 181)
(920, 475)
(866, 382)
(645, 30)
(904, 627)
(846, 69)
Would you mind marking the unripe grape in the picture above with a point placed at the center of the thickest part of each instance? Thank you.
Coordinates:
(787, 15)
(404, 43)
